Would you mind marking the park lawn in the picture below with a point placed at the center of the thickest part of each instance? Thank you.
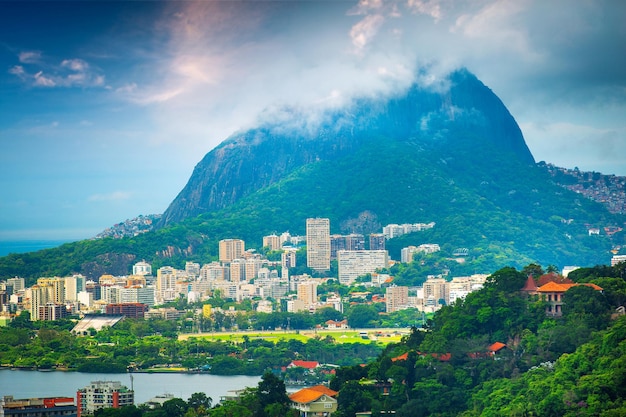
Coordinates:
(340, 336)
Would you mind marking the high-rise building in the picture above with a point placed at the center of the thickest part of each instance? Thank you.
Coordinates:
(192, 269)
(214, 271)
(272, 242)
(103, 394)
(52, 311)
(237, 270)
(74, 285)
(436, 289)
(337, 243)
(377, 241)
(165, 284)
(307, 293)
(57, 288)
(396, 298)
(318, 244)
(355, 241)
(137, 294)
(17, 284)
(230, 249)
(353, 264)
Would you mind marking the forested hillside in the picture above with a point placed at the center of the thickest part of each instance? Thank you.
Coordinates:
(497, 354)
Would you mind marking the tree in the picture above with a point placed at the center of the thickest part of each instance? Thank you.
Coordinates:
(199, 399)
(271, 390)
(362, 315)
(175, 407)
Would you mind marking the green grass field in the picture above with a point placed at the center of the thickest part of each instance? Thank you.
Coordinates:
(382, 336)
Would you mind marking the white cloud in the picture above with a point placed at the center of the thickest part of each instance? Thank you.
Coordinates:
(75, 64)
(41, 80)
(431, 8)
(365, 30)
(17, 70)
(73, 72)
(29, 57)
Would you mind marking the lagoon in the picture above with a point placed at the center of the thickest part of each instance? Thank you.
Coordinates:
(29, 384)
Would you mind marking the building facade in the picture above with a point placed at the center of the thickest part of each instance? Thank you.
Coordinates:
(353, 264)
(396, 298)
(318, 244)
(230, 249)
(103, 394)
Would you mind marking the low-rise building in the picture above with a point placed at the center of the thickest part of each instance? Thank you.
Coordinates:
(314, 401)
(39, 407)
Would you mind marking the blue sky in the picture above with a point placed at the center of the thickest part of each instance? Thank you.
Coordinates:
(106, 107)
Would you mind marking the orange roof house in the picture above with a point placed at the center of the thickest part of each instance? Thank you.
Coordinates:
(552, 292)
(317, 400)
(496, 347)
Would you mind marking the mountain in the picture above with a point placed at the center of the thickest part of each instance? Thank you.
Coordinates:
(444, 121)
(449, 153)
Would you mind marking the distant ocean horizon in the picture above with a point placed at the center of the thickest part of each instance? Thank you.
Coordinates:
(23, 246)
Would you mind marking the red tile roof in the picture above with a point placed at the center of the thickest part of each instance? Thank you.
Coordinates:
(530, 285)
(305, 364)
(495, 347)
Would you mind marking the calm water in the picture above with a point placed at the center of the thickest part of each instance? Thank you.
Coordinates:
(28, 384)
(23, 246)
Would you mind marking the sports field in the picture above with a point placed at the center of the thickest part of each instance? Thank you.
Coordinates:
(382, 336)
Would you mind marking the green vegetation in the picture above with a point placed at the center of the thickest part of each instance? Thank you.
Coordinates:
(501, 216)
(152, 345)
(567, 366)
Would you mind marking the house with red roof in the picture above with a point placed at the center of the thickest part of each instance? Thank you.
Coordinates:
(310, 365)
(333, 324)
(314, 401)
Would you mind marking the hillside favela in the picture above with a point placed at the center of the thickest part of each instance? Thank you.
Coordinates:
(365, 209)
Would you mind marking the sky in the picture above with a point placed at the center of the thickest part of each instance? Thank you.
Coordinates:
(106, 107)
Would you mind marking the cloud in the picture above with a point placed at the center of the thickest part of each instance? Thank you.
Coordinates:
(431, 8)
(29, 57)
(114, 196)
(224, 66)
(365, 30)
(72, 72)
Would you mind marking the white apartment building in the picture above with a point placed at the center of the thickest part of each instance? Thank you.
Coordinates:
(142, 268)
(353, 264)
(143, 295)
(103, 394)
(214, 271)
(74, 285)
(318, 244)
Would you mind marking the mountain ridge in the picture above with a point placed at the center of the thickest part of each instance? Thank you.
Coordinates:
(251, 160)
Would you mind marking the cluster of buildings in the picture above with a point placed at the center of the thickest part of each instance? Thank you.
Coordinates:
(433, 294)
(609, 190)
(238, 274)
(95, 396)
